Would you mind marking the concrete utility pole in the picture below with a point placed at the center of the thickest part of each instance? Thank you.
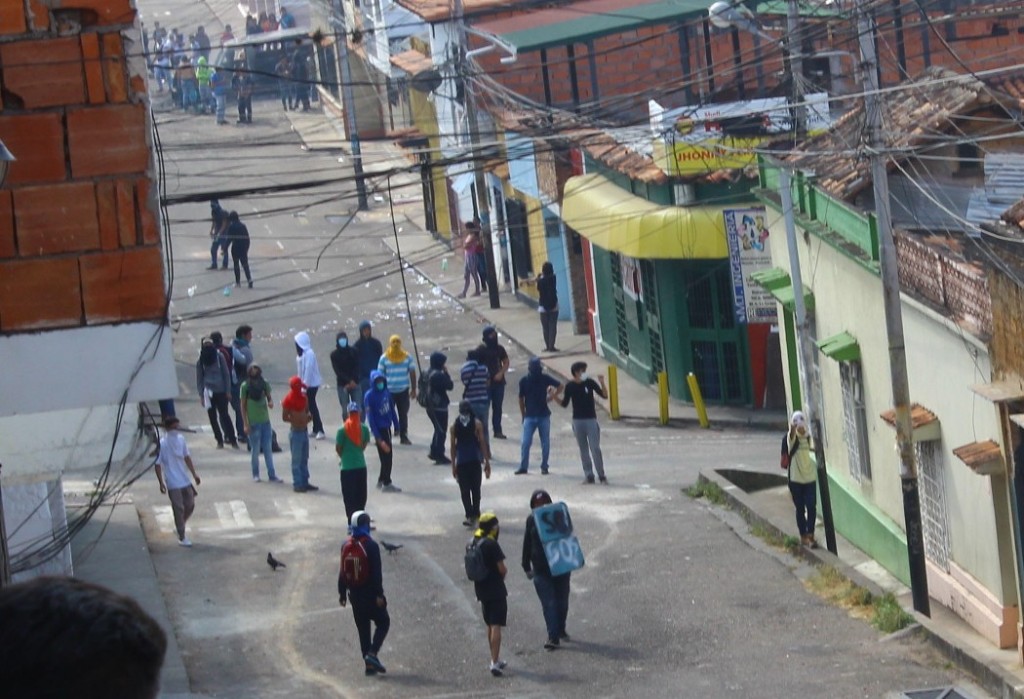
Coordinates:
(462, 71)
(808, 379)
(348, 105)
(893, 314)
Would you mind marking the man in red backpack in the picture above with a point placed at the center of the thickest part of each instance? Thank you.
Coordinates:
(362, 578)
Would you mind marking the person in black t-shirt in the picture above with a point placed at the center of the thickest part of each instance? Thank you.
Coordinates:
(580, 391)
(469, 450)
(491, 590)
(496, 359)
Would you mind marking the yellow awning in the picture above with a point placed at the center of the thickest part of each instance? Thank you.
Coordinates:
(614, 219)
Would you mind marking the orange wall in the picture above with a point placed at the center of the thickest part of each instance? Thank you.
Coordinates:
(79, 239)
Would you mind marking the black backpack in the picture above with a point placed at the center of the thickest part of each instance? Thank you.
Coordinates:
(476, 567)
(423, 392)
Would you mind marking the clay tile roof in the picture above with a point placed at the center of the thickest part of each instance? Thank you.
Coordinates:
(441, 10)
(412, 62)
(919, 416)
(914, 114)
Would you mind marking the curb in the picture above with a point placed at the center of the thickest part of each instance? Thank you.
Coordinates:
(993, 679)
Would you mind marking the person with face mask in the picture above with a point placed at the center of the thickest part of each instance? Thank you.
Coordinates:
(400, 370)
(803, 476)
(536, 390)
(308, 370)
(295, 411)
(213, 383)
(350, 444)
(345, 362)
(468, 450)
(369, 350)
(491, 591)
(496, 358)
(381, 417)
(256, 404)
(580, 391)
(552, 590)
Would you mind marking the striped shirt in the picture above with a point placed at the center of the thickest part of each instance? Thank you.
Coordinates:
(475, 378)
(397, 373)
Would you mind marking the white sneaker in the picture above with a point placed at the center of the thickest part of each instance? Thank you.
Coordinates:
(186, 542)
(320, 435)
(255, 479)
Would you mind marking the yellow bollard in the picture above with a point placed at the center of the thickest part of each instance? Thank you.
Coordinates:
(698, 400)
(613, 392)
(663, 397)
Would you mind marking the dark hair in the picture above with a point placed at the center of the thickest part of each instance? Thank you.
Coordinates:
(233, 217)
(243, 330)
(474, 355)
(539, 497)
(63, 637)
(577, 366)
(546, 268)
(217, 338)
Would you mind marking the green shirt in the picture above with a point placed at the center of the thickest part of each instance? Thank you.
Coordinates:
(258, 411)
(352, 456)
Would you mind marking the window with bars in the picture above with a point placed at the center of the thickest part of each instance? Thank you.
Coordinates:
(855, 422)
(932, 490)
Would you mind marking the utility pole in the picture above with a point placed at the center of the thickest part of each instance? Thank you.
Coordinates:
(796, 69)
(893, 314)
(808, 379)
(348, 105)
(461, 68)
(5, 561)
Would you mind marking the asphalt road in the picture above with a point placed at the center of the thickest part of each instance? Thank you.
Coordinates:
(671, 602)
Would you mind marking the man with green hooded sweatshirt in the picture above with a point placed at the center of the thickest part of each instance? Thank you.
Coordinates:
(203, 74)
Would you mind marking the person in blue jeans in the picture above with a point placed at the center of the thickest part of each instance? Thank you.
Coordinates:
(295, 411)
(536, 390)
(256, 404)
(552, 590)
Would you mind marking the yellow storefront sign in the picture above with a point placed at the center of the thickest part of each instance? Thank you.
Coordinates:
(683, 158)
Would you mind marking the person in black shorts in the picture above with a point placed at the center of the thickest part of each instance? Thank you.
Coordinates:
(491, 590)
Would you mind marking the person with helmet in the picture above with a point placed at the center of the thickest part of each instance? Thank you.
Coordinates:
(491, 590)
(362, 577)
(552, 590)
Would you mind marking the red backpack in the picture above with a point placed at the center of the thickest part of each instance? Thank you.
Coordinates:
(355, 564)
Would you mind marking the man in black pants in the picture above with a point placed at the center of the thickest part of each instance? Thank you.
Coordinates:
(238, 234)
(469, 448)
(496, 359)
(365, 588)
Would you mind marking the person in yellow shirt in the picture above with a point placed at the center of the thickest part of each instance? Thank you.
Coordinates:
(803, 476)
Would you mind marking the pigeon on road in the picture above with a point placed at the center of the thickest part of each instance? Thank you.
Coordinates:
(391, 548)
(273, 562)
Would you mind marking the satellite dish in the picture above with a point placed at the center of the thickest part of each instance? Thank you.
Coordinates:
(426, 81)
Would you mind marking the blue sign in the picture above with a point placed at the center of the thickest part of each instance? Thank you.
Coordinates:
(562, 548)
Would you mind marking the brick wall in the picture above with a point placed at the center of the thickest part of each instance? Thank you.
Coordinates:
(79, 239)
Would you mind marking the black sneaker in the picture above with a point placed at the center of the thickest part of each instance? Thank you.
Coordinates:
(405, 440)
(310, 486)
(370, 672)
(551, 644)
(564, 636)
(372, 661)
(467, 522)
(496, 669)
(500, 435)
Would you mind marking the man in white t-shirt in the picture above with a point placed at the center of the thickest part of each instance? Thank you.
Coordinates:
(173, 477)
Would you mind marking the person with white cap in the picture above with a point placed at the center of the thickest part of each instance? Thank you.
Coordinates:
(362, 577)
(803, 476)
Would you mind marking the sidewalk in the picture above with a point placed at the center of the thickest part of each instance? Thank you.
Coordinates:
(998, 671)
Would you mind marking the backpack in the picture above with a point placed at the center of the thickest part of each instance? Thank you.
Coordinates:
(355, 564)
(255, 390)
(787, 454)
(423, 392)
(476, 567)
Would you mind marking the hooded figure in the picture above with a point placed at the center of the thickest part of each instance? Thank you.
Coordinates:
(469, 451)
(350, 444)
(536, 390)
(802, 476)
(496, 358)
(438, 385)
(345, 362)
(369, 605)
(400, 370)
(381, 418)
(295, 411)
(213, 382)
(295, 399)
(308, 369)
(369, 350)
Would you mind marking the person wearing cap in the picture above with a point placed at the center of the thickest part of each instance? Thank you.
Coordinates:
(496, 359)
(350, 444)
(369, 605)
(469, 449)
(491, 590)
(171, 474)
(552, 590)
(803, 476)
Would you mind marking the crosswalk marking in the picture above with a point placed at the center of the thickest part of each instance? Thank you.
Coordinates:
(233, 515)
(164, 518)
(292, 509)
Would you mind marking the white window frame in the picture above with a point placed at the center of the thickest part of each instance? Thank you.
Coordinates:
(855, 421)
(932, 493)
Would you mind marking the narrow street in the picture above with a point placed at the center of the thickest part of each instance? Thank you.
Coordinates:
(671, 601)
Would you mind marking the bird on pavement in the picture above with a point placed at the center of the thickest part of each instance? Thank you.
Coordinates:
(391, 548)
(273, 562)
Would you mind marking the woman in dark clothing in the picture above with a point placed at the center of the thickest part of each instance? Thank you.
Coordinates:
(238, 234)
(438, 384)
(548, 305)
